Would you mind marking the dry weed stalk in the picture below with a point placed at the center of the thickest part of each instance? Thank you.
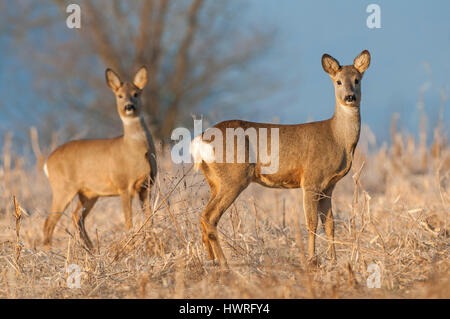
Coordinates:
(305, 266)
(7, 159)
(18, 217)
(179, 278)
(355, 206)
(351, 280)
(154, 211)
(40, 158)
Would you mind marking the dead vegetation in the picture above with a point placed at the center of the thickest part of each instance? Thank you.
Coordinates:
(393, 214)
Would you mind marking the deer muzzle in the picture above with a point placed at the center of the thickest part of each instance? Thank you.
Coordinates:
(350, 98)
(130, 109)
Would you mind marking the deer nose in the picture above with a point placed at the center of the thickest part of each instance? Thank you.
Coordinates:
(350, 98)
(129, 107)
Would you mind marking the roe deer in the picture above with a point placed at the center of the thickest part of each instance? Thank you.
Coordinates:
(312, 156)
(120, 166)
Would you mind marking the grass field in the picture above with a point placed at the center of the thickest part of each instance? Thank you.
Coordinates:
(395, 215)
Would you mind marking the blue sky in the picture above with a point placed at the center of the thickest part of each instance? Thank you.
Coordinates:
(413, 34)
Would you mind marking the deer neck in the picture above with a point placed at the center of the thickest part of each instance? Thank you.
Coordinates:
(135, 132)
(346, 126)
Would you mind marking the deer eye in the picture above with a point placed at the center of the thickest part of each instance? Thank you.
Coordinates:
(120, 96)
(356, 81)
(339, 82)
(135, 95)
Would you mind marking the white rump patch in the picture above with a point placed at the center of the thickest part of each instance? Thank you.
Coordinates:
(45, 169)
(201, 151)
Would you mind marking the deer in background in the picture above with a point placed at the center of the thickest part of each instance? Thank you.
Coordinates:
(312, 156)
(123, 166)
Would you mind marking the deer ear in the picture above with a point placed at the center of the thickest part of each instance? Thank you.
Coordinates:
(112, 79)
(330, 64)
(141, 77)
(362, 61)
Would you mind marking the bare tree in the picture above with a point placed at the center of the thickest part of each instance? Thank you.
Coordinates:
(195, 50)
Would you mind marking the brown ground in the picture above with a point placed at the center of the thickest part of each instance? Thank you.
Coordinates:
(396, 217)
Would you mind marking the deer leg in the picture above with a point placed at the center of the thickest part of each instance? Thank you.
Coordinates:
(310, 205)
(209, 207)
(59, 204)
(144, 197)
(126, 206)
(49, 227)
(326, 216)
(86, 204)
(76, 213)
(203, 224)
(211, 216)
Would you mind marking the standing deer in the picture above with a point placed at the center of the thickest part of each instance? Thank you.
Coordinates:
(120, 166)
(312, 156)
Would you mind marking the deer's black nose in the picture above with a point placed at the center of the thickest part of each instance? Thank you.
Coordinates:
(130, 107)
(350, 98)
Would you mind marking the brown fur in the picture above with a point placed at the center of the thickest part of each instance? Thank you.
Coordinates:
(312, 156)
(108, 167)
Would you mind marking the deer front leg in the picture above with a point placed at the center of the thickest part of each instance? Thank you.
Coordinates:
(126, 206)
(310, 205)
(326, 216)
(144, 197)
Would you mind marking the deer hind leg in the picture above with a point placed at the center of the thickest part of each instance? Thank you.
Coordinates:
(59, 204)
(209, 207)
(209, 221)
(228, 191)
(326, 216)
(205, 228)
(85, 204)
(310, 205)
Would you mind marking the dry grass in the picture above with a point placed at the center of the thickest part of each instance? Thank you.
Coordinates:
(395, 215)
